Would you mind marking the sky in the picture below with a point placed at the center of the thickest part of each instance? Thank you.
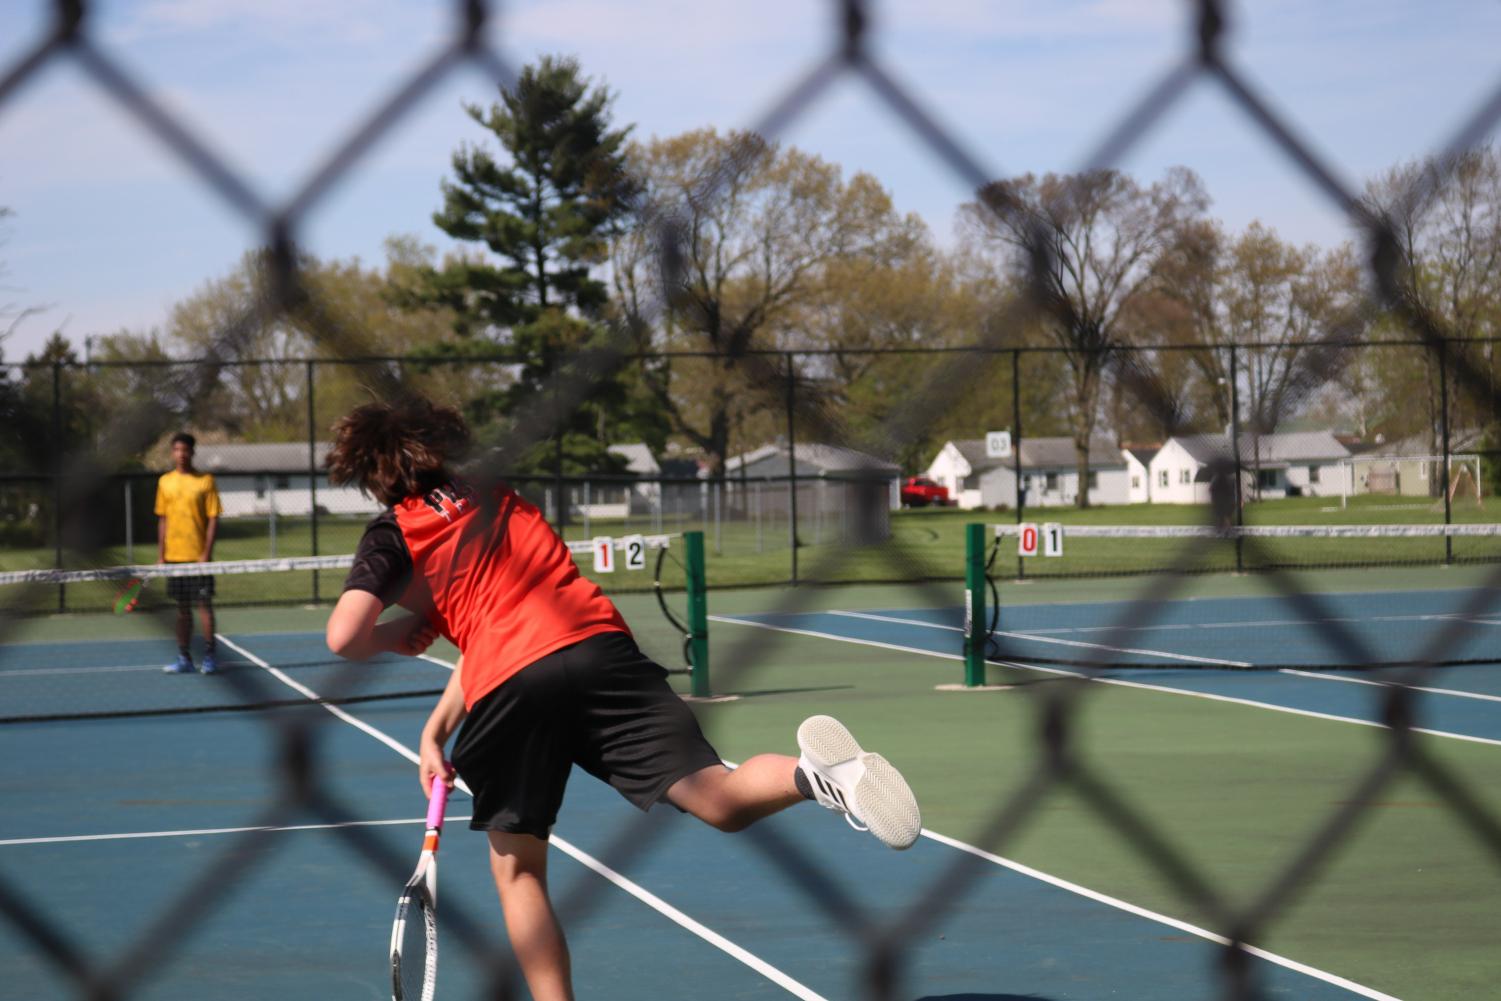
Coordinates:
(109, 228)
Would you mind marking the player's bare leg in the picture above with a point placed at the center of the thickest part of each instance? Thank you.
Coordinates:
(519, 864)
(732, 800)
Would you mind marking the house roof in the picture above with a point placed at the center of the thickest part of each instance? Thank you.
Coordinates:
(638, 458)
(258, 457)
(973, 451)
(823, 459)
(1039, 453)
(1144, 455)
(1460, 440)
(1277, 447)
(1059, 453)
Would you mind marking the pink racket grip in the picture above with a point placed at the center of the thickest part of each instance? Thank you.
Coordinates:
(437, 804)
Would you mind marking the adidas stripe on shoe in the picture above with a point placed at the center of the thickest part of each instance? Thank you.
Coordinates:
(864, 787)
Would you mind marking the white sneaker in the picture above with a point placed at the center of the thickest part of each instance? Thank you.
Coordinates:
(864, 787)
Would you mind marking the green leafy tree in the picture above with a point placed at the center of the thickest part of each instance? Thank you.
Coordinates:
(541, 216)
(777, 250)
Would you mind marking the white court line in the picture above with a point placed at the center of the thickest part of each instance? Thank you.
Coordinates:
(1387, 684)
(751, 960)
(1184, 926)
(1207, 660)
(1064, 884)
(79, 670)
(1118, 682)
(204, 831)
(1053, 639)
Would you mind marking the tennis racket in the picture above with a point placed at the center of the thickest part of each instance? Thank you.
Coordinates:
(414, 936)
(129, 595)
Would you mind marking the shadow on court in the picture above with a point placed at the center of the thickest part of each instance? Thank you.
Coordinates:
(982, 997)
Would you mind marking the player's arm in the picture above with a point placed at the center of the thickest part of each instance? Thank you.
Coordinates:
(209, 533)
(212, 509)
(161, 538)
(355, 632)
(444, 720)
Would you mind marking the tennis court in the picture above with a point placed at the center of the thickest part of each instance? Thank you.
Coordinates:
(112, 819)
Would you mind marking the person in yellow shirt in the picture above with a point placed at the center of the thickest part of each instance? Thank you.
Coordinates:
(187, 519)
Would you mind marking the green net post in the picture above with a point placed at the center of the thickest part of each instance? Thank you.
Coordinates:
(974, 605)
(698, 612)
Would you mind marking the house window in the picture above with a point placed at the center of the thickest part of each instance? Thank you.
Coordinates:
(1162, 478)
(283, 482)
(1135, 481)
(1093, 480)
(1266, 479)
(1185, 476)
(1052, 481)
(1313, 474)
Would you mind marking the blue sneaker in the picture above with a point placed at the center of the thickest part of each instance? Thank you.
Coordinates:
(208, 665)
(182, 665)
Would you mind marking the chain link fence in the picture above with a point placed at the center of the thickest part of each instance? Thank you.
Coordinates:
(60, 497)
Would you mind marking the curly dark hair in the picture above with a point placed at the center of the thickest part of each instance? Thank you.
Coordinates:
(392, 451)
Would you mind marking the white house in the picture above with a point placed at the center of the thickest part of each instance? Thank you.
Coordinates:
(1049, 468)
(958, 466)
(1139, 473)
(273, 478)
(1412, 466)
(1273, 465)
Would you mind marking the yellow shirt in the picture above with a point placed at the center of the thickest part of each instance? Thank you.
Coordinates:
(187, 501)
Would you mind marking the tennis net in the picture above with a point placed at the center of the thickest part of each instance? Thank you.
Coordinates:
(1391, 616)
(90, 643)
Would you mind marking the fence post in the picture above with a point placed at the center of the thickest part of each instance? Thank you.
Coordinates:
(312, 470)
(130, 538)
(57, 479)
(1240, 513)
(791, 467)
(1443, 395)
(1016, 445)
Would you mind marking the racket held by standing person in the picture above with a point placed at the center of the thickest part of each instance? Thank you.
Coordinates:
(414, 936)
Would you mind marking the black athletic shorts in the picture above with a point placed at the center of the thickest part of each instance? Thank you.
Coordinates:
(601, 704)
(191, 590)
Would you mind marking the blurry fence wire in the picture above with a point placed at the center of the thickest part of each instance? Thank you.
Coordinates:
(76, 480)
(770, 507)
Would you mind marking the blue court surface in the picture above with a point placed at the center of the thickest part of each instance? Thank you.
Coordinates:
(1206, 646)
(106, 822)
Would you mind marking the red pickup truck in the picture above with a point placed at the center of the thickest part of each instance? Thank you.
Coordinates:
(919, 491)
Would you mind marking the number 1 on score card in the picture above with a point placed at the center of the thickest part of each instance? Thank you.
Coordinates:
(1026, 539)
(1052, 539)
(604, 554)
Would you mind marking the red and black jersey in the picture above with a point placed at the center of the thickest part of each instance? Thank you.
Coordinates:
(491, 575)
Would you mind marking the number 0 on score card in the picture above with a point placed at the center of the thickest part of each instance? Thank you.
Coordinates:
(1026, 539)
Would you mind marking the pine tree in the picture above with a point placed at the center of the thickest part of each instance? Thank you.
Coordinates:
(543, 214)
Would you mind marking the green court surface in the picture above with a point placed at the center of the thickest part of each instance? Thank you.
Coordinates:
(1405, 905)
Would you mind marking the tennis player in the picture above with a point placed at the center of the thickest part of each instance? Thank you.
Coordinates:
(187, 519)
(550, 676)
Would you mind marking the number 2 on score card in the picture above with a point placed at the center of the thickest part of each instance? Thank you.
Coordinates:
(604, 554)
(635, 552)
